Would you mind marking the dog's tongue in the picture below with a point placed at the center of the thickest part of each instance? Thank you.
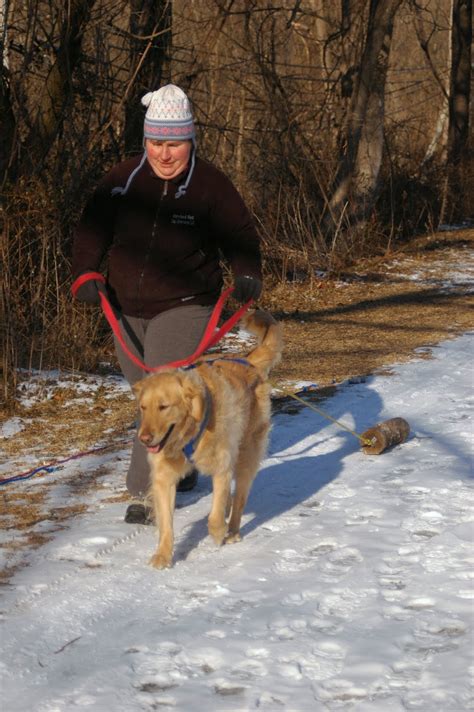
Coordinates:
(154, 448)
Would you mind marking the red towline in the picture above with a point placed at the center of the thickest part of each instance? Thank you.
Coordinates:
(210, 337)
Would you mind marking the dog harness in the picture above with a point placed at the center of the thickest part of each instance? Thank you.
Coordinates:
(191, 446)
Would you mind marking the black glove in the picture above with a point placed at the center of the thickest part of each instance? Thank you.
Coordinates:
(247, 288)
(89, 291)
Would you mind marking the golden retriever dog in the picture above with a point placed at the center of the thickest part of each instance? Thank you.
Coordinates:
(214, 416)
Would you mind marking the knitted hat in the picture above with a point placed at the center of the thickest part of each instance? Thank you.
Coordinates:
(168, 118)
(168, 115)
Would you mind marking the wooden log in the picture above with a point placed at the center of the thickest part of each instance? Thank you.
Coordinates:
(384, 435)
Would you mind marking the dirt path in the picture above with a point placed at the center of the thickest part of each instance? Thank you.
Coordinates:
(379, 313)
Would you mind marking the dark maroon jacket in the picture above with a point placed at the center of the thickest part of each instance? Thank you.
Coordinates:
(162, 251)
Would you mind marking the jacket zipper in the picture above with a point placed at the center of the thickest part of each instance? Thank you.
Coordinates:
(164, 193)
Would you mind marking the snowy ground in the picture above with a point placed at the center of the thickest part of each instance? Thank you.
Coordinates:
(352, 588)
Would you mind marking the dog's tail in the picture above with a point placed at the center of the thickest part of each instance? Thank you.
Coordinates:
(270, 340)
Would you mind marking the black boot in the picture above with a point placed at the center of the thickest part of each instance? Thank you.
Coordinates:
(138, 513)
(188, 483)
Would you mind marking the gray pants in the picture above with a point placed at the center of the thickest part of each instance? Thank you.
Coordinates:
(170, 336)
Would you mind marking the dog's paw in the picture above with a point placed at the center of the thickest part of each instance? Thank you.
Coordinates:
(218, 534)
(160, 561)
(233, 538)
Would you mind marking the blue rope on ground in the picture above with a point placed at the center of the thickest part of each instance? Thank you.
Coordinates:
(310, 387)
(27, 475)
(53, 466)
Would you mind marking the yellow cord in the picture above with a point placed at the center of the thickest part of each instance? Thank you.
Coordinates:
(364, 441)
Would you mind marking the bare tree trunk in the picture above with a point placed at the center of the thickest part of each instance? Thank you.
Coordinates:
(150, 50)
(438, 146)
(7, 128)
(356, 181)
(370, 148)
(57, 89)
(7, 116)
(458, 103)
(438, 143)
(460, 79)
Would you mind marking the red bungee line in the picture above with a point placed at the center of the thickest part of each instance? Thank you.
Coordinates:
(209, 339)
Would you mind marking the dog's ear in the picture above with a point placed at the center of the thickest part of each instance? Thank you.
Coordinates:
(197, 407)
(194, 399)
(137, 388)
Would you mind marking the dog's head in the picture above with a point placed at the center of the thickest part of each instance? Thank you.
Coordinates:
(172, 406)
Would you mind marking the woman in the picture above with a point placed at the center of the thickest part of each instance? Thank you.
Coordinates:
(160, 223)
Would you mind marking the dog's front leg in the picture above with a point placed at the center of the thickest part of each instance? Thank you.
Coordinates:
(217, 526)
(163, 492)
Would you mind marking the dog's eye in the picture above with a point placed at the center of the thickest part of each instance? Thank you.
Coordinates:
(163, 407)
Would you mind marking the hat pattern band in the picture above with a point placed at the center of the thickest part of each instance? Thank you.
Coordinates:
(168, 130)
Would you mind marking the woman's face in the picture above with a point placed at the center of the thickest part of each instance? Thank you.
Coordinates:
(168, 158)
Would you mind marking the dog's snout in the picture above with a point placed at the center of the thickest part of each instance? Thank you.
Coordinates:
(146, 438)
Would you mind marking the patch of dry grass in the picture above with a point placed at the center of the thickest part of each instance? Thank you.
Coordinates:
(64, 424)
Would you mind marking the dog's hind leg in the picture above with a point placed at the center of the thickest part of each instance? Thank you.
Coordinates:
(217, 526)
(163, 492)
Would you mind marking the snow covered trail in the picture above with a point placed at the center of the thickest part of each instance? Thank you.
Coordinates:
(351, 589)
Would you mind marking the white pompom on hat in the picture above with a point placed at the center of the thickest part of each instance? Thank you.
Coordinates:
(168, 116)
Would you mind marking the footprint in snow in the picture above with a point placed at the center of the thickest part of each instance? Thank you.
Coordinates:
(324, 546)
(170, 666)
(224, 688)
(325, 626)
(403, 470)
(393, 591)
(424, 526)
(286, 628)
(334, 561)
(342, 560)
(231, 610)
(359, 517)
(270, 701)
(443, 627)
(249, 670)
(337, 490)
(405, 672)
(422, 646)
(394, 565)
(434, 698)
(339, 691)
(313, 506)
(432, 636)
(324, 661)
(420, 603)
(413, 494)
(391, 583)
(300, 598)
(291, 561)
(341, 603)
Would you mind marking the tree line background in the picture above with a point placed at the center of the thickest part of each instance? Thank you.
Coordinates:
(344, 124)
